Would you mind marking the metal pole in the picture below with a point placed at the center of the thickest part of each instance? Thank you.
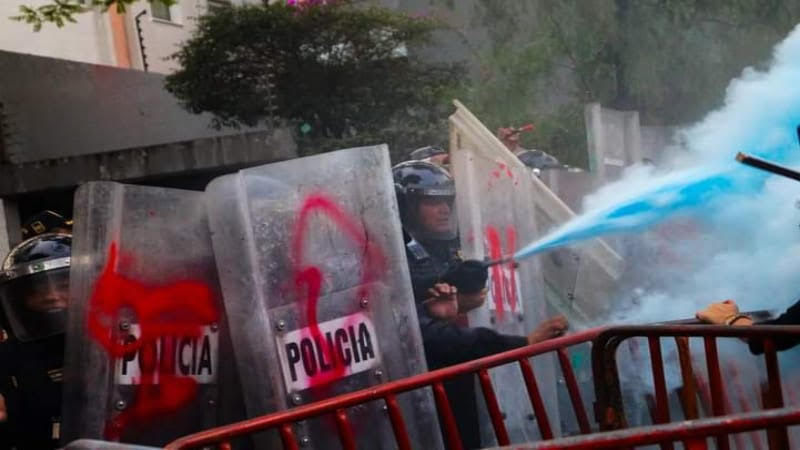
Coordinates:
(765, 165)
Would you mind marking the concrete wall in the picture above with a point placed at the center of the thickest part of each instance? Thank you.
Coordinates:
(89, 40)
(614, 141)
(656, 142)
(10, 233)
(57, 109)
(186, 157)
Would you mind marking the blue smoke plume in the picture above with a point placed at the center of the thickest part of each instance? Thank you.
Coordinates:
(760, 116)
(748, 244)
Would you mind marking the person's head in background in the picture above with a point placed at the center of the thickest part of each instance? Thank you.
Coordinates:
(510, 136)
(45, 222)
(432, 154)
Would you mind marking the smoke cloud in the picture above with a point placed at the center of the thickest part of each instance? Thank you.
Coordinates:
(714, 229)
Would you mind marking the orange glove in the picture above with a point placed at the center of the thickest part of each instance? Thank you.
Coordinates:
(718, 313)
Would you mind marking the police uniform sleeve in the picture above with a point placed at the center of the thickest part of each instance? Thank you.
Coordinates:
(421, 284)
(790, 317)
(446, 343)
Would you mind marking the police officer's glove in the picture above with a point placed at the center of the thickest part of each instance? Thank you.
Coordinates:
(469, 276)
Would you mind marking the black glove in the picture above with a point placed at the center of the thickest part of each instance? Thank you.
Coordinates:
(468, 276)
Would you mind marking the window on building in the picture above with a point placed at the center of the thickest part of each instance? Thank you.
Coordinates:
(160, 11)
(215, 5)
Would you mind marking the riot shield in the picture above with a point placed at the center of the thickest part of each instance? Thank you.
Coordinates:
(148, 357)
(496, 215)
(502, 205)
(316, 286)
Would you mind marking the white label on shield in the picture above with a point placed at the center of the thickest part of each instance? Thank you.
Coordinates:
(196, 358)
(344, 346)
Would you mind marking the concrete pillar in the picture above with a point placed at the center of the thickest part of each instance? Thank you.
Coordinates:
(595, 142)
(10, 233)
(614, 141)
(633, 138)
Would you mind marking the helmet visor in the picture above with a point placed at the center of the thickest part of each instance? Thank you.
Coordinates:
(36, 305)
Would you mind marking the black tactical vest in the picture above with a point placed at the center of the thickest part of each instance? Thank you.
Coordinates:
(31, 382)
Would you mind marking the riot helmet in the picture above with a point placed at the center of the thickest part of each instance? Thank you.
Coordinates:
(426, 198)
(34, 286)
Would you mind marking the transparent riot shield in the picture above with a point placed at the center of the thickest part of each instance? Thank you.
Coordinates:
(316, 286)
(497, 208)
(148, 357)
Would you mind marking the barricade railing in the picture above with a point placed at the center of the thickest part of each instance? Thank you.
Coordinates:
(337, 406)
(609, 407)
(693, 433)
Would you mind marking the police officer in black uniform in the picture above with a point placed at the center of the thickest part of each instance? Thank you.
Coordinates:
(445, 287)
(34, 293)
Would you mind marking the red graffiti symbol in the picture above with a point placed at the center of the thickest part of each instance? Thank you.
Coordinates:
(308, 279)
(511, 288)
(495, 252)
(502, 169)
(178, 310)
(505, 168)
(503, 287)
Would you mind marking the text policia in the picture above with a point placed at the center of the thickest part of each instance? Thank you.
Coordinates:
(347, 343)
(188, 357)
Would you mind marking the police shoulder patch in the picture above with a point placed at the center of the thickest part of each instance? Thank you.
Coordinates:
(417, 250)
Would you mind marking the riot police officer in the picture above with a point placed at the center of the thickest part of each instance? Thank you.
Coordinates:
(445, 286)
(34, 293)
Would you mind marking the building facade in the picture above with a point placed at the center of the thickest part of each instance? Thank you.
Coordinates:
(142, 38)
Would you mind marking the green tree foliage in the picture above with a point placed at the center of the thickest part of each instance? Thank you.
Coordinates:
(669, 59)
(62, 11)
(340, 74)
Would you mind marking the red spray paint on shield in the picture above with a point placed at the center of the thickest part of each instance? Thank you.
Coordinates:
(308, 279)
(177, 310)
(496, 272)
(504, 278)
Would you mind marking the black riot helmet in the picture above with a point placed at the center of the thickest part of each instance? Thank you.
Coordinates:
(34, 286)
(426, 198)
